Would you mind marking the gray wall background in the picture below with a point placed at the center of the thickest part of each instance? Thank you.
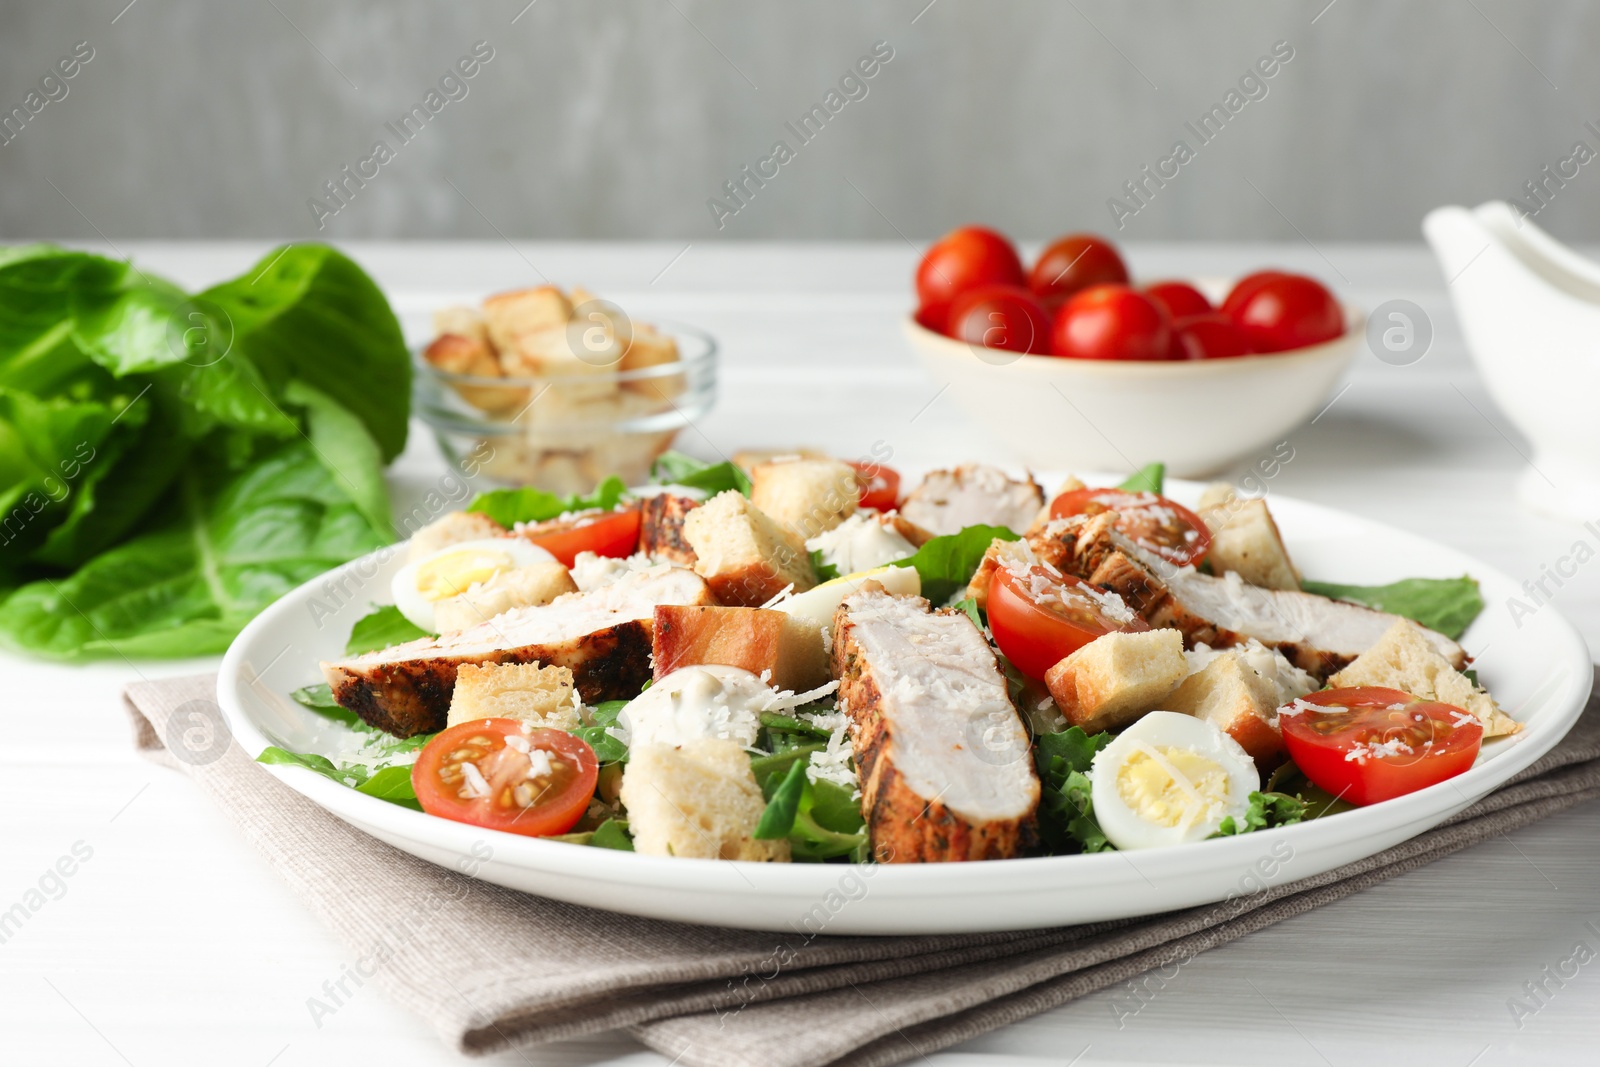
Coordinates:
(620, 119)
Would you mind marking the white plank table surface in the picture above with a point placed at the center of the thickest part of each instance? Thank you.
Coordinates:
(174, 943)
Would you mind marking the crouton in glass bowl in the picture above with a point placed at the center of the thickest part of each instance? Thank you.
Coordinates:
(559, 391)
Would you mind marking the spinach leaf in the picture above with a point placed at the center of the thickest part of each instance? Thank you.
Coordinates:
(675, 468)
(970, 608)
(392, 784)
(826, 572)
(1147, 479)
(607, 749)
(946, 564)
(782, 806)
(380, 628)
(319, 698)
(386, 783)
(1266, 810)
(1066, 810)
(1447, 605)
(613, 833)
(511, 506)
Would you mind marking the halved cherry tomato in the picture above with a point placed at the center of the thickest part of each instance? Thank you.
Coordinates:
(1157, 524)
(1179, 298)
(1278, 312)
(492, 774)
(1040, 616)
(605, 533)
(1211, 336)
(1373, 744)
(1072, 264)
(960, 260)
(1000, 316)
(1111, 322)
(880, 486)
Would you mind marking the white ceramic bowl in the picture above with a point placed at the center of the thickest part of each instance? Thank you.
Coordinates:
(1196, 416)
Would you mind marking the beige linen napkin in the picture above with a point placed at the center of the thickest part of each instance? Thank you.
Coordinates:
(493, 968)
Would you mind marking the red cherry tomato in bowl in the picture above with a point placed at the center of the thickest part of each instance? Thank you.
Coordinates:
(1367, 743)
(1040, 616)
(1074, 263)
(1111, 322)
(960, 260)
(1278, 312)
(880, 486)
(1211, 336)
(1000, 316)
(492, 774)
(605, 533)
(1151, 521)
(1180, 299)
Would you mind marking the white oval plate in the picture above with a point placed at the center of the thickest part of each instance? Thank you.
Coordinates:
(1539, 671)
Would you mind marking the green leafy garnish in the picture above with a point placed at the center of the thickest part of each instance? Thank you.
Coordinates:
(1147, 479)
(946, 564)
(783, 805)
(1066, 811)
(380, 628)
(386, 783)
(607, 749)
(970, 607)
(511, 506)
(613, 833)
(1290, 780)
(319, 698)
(826, 572)
(791, 725)
(821, 819)
(675, 468)
(1447, 605)
(1266, 810)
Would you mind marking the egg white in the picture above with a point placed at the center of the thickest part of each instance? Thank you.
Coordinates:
(478, 560)
(1128, 827)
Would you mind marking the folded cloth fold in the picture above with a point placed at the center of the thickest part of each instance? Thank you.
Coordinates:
(492, 968)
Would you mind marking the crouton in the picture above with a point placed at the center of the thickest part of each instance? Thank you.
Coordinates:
(1042, 519)
(758, 640)
(1405, 659)
(581, 361)
(809, 496)
(1231, 695)
(699, 799)
(510, 315)
(649, 348)
(539, 696)
(1245, 540)
(1115, 679)
(744, 555)
(948, 501)
(747, 459)
(521, 587)
(661, 527)
(457, 354)
(451, 529)
(461, 320)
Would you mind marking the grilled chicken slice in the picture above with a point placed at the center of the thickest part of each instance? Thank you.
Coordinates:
(944, 760)
(602, 635)
(661, 528)
(1318, 635)
(948, 501)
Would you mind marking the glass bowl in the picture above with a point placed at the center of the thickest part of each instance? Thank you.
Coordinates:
(566, 432)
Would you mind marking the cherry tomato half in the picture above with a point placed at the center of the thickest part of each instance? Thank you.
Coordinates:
(492, 774)
(605, 533)
(1211, 336)
(1040, 616)
(1373, 744)
(1111, 322)
(880, 486)
(960, 260)
(1180, 299)
(1000, 316)
(1278, 312)
(1074, 263)
(1157, 524)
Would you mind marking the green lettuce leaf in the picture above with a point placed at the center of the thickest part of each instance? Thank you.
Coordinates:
(607, 749)
(1066, 810)
(826, 572)
(946, 564)
(511, 506)
(386, 783)
(1266, 810)
(1147, 479)
(380, 628)
(1447, 605)
(675, 468)
(613, 833)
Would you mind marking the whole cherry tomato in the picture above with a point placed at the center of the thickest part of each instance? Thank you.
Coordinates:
(1181, 299)
(1074, 263)
(1278, 312)
(960, 260)
(1000, 316)
(1111, 322)
(1212, 336)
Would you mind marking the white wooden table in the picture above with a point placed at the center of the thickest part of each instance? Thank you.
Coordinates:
(175, 944)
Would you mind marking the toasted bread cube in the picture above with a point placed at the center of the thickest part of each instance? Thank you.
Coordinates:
(758, 640)
(1042, 519)
(744, 556)
(809, 496)
(1404, 659)
(539, 696)
(1229, 694)
(581, 362)
(521, 587)
(1115, 679)
(462, 320)
(458, 354)
(449, 529)
(650, 348)
(698, 800)
(1245, 540)
(747, 459)
(510, 315)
